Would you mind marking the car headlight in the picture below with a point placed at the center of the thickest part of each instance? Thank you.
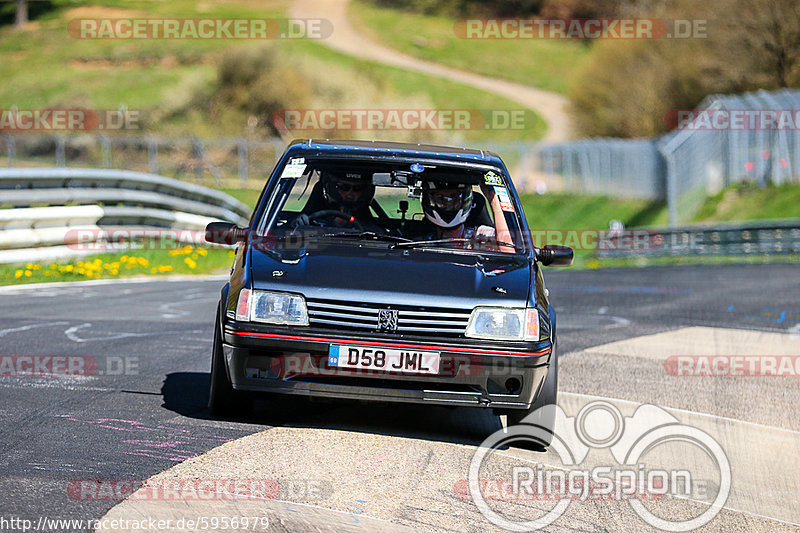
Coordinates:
(503, 323)
(272, 308)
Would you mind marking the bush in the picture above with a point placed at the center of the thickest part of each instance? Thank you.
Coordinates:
(626, 88)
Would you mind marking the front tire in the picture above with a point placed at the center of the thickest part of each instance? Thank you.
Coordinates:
(538, 414)
(222, 398)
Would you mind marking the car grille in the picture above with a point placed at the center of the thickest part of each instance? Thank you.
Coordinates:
(364, 317)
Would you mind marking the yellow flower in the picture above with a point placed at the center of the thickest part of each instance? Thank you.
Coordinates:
(231, 254)
(36, 267)
(165, 268)
(123, 258)
(18, 274)
(202, 251)
(191, 263)
(47, 272)
(53, 266)
(28, 273)
(29, 266)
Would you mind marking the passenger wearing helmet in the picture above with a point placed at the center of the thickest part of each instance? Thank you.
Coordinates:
(448, 205)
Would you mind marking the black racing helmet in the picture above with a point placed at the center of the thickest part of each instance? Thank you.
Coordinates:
(447, 204)
(342, 189)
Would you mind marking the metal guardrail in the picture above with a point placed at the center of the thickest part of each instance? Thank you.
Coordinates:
(739, 238)
(41, 208)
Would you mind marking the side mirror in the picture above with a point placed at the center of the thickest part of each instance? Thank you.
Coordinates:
(554, 255)
(225, 233)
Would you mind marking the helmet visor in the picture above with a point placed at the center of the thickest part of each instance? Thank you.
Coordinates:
(449, 200)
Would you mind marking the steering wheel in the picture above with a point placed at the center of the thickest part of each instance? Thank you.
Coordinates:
(326, 213)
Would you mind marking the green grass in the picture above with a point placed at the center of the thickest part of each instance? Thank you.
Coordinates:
(748, 202)
(188, 260)
(248, 197)
(569, 211)
(576, 212)
(46, 68)
(547, 64)
(443, 94)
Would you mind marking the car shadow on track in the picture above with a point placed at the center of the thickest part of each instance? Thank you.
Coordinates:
(186, 393)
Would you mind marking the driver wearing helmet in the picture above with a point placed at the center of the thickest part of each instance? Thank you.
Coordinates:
(348, 193)
(448, 205)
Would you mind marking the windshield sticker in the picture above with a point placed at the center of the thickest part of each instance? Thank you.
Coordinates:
(492, 178)
(294, 169)
(505, 200)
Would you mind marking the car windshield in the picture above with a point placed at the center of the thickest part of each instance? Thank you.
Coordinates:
(368, 203)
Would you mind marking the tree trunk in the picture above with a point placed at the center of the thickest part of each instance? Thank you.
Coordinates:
(22, 14)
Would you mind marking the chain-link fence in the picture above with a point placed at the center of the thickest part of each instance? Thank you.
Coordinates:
(218, 163)
(704, 154)
(754, 137)
(614, 167)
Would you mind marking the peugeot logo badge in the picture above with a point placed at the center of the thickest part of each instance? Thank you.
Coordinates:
(387, 320)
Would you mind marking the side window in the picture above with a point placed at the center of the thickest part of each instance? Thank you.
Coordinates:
(301, 192)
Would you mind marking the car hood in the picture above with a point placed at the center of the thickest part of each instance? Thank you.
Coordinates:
(404, 277)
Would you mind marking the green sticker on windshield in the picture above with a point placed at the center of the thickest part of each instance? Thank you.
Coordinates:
(491, 178)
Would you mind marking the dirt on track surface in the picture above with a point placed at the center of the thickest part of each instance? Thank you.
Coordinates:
(550, 106)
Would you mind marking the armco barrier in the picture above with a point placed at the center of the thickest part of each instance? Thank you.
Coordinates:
(39, 207)
(737, 238)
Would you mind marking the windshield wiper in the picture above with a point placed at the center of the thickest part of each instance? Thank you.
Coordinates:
(415, 244)
(367, 235)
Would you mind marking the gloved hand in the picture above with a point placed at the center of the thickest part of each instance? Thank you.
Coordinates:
(485, 233)
(301, 220)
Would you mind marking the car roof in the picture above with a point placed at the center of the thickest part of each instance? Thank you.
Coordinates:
(386, 148)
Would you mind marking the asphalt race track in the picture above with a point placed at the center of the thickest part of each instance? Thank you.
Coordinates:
(139, 410)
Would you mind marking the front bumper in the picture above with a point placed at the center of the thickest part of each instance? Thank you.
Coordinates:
(284, 361)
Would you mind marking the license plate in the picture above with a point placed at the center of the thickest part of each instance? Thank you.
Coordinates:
(385, 359)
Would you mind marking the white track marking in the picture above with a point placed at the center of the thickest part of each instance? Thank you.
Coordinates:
(72, 334)
(4, 332)
(93, 282)
(677, 410)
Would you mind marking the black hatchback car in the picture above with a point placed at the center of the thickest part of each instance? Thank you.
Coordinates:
(388, 272)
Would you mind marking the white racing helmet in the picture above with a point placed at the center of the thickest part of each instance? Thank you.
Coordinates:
(447, 204)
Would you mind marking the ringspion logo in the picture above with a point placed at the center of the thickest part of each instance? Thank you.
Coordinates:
(628, 476)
